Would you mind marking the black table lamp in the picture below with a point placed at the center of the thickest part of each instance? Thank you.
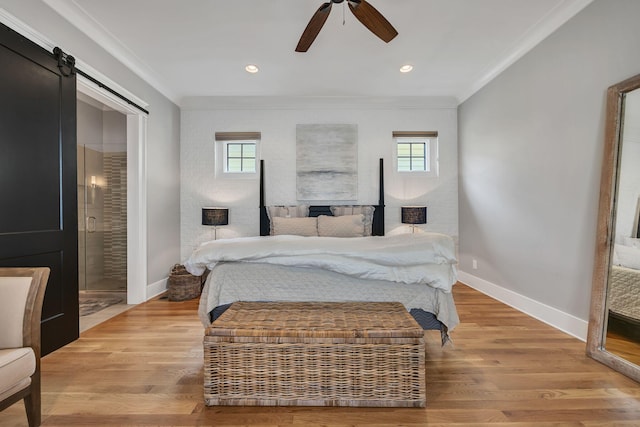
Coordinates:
(215, 217)
(414, 215)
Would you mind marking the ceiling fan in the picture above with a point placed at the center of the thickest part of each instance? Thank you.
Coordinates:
(366, 14)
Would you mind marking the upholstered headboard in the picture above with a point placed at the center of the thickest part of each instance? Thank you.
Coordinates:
(317, 210)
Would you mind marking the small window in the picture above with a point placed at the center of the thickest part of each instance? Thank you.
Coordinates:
(412, 155)
(237, 153)
(416, 152)
(240, 157)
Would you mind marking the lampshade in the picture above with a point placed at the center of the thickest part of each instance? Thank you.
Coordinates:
(414, 214)
(215, 216)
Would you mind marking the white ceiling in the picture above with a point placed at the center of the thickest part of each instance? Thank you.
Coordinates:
(200, 47)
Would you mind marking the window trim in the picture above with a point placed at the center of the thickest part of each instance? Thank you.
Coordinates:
(222, 140)
(430, 139)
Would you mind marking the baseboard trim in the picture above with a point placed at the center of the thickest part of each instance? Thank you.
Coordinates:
(155, 289)
(552, 316)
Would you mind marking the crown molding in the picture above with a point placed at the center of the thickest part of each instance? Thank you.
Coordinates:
(316, 102)
(549, 23)
(80, 19)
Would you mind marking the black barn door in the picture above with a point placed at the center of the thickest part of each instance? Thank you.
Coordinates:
(38, 213)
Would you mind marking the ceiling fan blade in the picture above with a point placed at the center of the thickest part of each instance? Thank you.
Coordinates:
(313, 27)
(372, 19)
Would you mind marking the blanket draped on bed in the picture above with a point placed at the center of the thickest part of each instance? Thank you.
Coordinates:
(229, 282)
(403, 258)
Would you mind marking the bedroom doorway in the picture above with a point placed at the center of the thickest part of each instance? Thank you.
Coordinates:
(114, 193)
(136, 178)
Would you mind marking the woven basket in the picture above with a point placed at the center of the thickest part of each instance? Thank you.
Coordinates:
(183, 285)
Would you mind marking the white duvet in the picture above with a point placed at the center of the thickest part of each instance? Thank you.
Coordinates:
(403, 258)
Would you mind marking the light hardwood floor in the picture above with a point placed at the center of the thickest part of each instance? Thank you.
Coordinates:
(144, 367)
(624, 347)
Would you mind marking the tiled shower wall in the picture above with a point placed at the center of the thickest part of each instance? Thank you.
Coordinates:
(115, 216)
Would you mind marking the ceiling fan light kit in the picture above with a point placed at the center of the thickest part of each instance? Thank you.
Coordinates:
(363, 11)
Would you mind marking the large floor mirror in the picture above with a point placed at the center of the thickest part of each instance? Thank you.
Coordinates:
(614, 323)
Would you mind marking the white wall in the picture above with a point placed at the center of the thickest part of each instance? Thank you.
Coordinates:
(276, 119)
(530, 153)
(90, 125)
(162, 133)
(114, 134)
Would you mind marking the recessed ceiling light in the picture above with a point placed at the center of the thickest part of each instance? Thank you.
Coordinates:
(406, 68)
(252, 68)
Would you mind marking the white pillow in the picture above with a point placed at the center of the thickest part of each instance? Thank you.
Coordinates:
(293, 211)
(366, 210)
(631, 241)
(626, 256)
(341, 226)
(295, 226)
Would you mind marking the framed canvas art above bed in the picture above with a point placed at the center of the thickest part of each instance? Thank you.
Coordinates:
(326, 162)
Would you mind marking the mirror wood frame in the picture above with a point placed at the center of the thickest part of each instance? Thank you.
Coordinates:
(605, 231)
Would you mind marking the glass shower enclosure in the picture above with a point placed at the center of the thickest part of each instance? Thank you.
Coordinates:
(102, 202)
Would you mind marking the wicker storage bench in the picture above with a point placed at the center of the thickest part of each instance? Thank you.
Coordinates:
(315, 354)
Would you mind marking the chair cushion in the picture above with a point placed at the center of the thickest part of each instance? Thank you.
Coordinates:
(16, 365)
(13, 294)
(16, 388)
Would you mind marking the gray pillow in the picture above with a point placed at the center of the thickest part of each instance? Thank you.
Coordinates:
(366, 210)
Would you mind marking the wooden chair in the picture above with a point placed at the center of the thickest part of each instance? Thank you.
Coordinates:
(21, 296)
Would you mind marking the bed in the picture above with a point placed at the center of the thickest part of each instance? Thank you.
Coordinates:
(417, 270)
(624, 290)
